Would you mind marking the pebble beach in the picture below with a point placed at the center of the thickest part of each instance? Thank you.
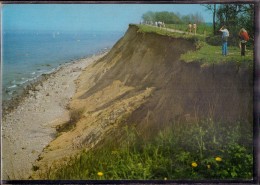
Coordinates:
(28, 127)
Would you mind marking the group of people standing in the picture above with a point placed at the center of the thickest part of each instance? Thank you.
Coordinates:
(243, 35)
(192, 28)
(159, 24)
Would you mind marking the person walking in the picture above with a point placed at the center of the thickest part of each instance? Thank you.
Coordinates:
(195, 28)
(189, 27)
(243, 40)
(225, 35)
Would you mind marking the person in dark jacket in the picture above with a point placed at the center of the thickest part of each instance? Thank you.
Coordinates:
(243, 40)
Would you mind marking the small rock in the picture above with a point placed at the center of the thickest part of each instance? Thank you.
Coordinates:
(48, 94)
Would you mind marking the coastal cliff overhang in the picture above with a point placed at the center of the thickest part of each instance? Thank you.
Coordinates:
(143, 82)
(150, 60)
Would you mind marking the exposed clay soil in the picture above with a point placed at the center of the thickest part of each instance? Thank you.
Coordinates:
(142, 81)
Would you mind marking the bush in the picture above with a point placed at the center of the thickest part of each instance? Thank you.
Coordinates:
(75, 116)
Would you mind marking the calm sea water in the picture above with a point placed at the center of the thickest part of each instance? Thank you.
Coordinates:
(27, 55)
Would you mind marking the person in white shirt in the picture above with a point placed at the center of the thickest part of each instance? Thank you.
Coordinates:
(225, 35)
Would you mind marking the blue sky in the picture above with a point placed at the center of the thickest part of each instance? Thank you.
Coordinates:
(83, 17)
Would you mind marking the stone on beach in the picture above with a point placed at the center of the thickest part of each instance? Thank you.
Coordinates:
(30, 122)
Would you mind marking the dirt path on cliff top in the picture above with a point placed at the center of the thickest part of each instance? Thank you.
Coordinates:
(31, 126)
(176, 31)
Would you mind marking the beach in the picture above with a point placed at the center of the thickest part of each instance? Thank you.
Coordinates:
(31, 125)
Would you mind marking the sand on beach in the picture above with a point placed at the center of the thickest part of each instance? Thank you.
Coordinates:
(28, 129)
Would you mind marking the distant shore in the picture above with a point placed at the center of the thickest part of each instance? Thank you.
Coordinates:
(29, 120)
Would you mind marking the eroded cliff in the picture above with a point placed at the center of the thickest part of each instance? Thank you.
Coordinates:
(142, 81)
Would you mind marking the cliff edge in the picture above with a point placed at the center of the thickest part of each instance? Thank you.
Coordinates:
(143, 81)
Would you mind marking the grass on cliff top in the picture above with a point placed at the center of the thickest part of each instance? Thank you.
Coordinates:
(208, 54)
(201, 28)
(205, 53)
(167, 32)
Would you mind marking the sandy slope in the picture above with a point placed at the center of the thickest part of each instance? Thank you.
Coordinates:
(31, 126)
(143, 82)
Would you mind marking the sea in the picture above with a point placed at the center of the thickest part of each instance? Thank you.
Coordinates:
(26, 55)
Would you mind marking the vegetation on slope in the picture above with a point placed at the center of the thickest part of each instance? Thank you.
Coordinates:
(185, 150)
(198, 149)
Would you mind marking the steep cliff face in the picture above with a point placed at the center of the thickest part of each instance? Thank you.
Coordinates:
(142, 60)
(142, 81)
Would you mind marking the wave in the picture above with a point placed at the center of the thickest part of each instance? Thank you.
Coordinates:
(11, 87)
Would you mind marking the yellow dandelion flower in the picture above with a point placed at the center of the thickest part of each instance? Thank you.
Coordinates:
(208, 166)
(218, 159)
(194, 164)
(100, 174)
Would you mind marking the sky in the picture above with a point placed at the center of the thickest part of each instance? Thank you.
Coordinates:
(85, 17)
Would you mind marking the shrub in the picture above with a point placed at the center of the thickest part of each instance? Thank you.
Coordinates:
(75, 116)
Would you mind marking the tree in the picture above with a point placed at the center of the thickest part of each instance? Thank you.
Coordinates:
(148, 16)
(197, 18)
(213, 9)
(236, 16)
(166, 17)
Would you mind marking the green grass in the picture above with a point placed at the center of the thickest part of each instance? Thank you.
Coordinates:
(201, 28)
(209, 54)
(169, 155)
(205, 53)
(165, 32)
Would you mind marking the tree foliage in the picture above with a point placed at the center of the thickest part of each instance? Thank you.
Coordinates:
(172, 18)
(213, 9)
(234, 16)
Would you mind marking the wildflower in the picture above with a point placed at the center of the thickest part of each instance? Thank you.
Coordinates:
(194, 164)
(165, 178)
(208, 166)
(218, 159)
(100, 174)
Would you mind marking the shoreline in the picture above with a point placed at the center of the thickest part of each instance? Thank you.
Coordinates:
(29, 124)
(10, 104)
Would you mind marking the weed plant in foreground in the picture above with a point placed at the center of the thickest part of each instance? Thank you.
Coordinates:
(198, 150)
